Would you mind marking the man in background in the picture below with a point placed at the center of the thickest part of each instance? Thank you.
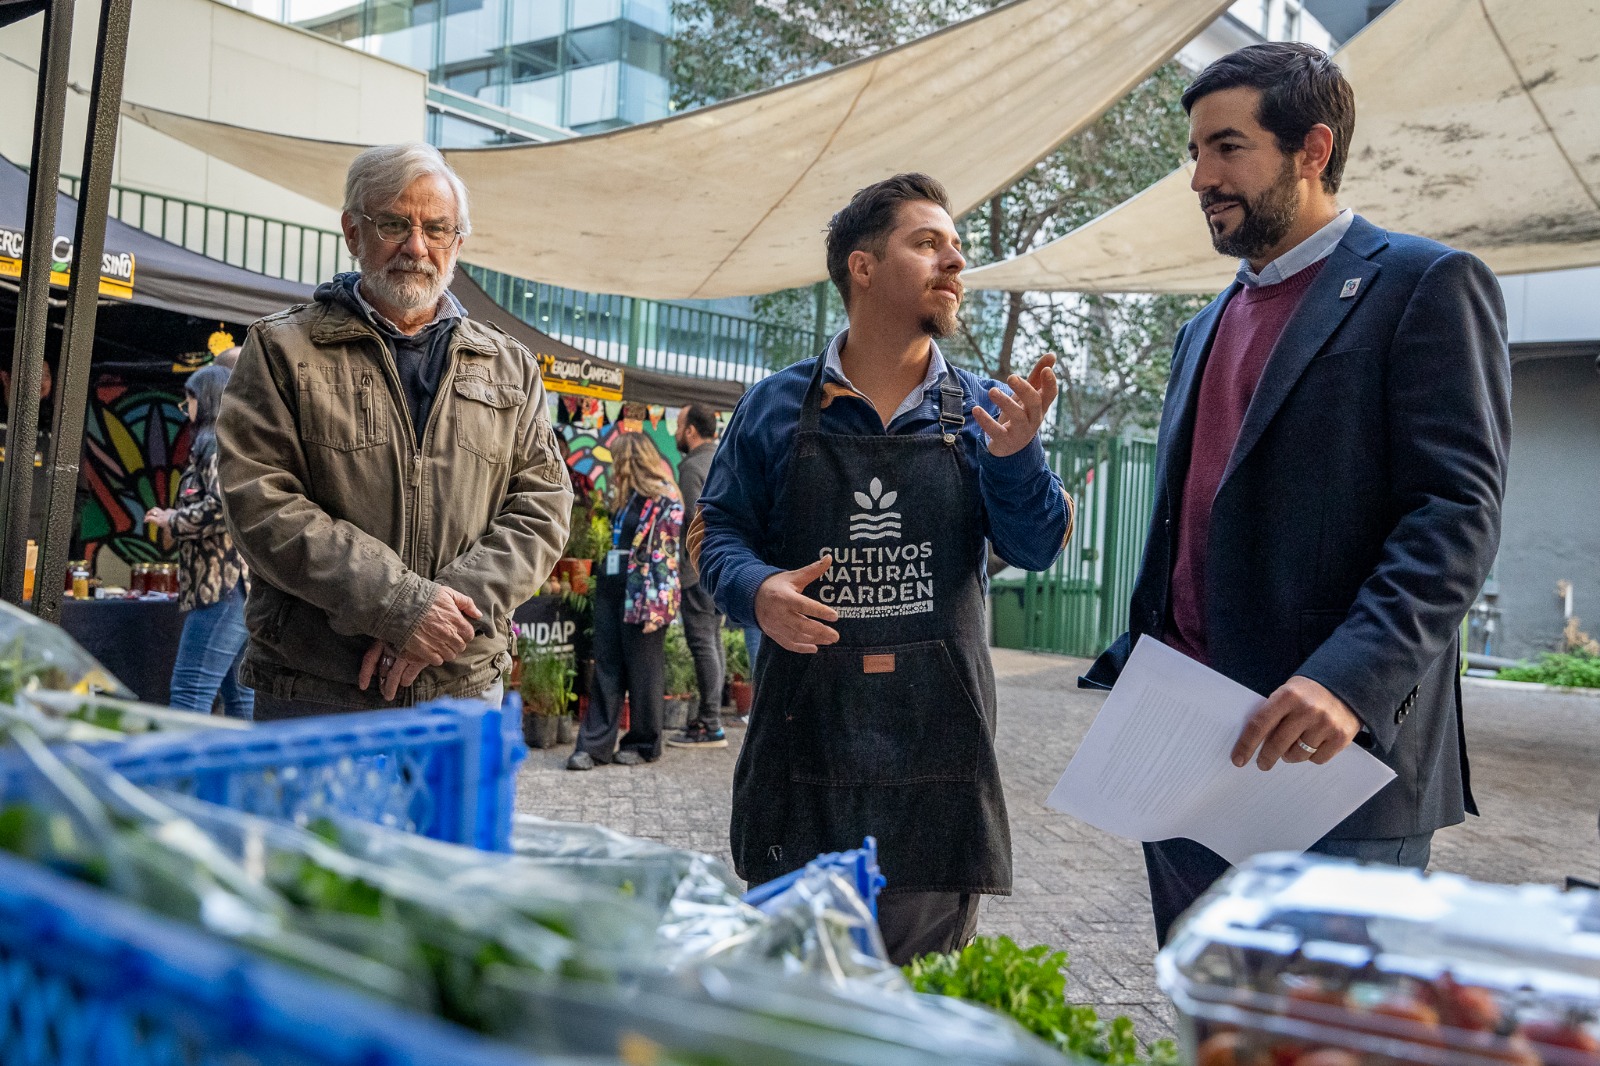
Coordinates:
(702, 622)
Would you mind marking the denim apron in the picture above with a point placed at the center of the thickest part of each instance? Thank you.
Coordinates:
(889, 732)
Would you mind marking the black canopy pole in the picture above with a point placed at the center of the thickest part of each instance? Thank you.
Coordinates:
(33, 299)
(83, 295)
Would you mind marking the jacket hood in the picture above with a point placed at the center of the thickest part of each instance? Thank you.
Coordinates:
(341, 290)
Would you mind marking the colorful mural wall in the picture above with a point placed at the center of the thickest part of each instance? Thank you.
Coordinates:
(586, 429)
(136, 445)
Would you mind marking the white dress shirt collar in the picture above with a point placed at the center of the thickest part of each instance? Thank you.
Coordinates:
(1314, 249)
(834, 367)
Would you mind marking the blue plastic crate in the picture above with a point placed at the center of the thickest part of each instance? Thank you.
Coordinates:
(89, 980)
(858, 866)
(446, 769)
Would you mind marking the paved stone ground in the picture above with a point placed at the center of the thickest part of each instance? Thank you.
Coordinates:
(1534, 770)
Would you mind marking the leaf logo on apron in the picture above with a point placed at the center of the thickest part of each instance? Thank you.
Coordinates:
(875, 521)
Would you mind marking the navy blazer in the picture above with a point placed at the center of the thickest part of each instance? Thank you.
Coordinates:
(1360, 512)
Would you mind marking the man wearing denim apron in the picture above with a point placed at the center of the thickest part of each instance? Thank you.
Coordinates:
(850, 512)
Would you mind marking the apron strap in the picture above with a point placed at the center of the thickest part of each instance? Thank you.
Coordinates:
(811, 407)
(952, 402)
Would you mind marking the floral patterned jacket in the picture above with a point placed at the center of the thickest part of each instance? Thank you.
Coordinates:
(653, 590)
(209, 565)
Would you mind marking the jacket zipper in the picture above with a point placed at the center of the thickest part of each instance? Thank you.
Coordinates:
(412, 521)
(367, 413)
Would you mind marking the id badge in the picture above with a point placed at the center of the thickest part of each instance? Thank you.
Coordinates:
(616, 562)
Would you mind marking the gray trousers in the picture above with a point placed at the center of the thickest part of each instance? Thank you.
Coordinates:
(702, 628)
(924, 923)
(1180, 870)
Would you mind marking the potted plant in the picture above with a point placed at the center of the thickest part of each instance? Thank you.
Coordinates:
(546, 688)
(736, 658)
(587, 543)
(682, 687)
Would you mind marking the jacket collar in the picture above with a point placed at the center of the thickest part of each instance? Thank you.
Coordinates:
(1321, 310)
(1185, 389)
(336, 323)
(1346, 278)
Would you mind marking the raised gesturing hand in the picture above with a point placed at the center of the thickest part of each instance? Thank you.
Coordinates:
(1021, 413)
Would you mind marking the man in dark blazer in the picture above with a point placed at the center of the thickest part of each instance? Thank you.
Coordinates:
(1331, 463)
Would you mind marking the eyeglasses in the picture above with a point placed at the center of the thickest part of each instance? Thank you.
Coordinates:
(396, 230)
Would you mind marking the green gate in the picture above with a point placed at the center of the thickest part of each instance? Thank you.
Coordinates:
(1080, 605)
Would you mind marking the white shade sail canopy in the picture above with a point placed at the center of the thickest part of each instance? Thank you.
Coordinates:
(1476, 125)
(732, 199)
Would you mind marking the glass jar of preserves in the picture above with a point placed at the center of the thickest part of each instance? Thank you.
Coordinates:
(139, 579)
(80, 580)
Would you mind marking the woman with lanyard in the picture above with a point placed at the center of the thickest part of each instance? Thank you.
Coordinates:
(636, 595)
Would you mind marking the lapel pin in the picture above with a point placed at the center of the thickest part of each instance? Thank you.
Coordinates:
(1350, 288)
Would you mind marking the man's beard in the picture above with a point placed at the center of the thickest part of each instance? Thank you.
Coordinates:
(406, 284)
(941, 324)
(1267, 219)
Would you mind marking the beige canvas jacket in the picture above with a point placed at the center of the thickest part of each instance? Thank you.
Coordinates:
(350, 523)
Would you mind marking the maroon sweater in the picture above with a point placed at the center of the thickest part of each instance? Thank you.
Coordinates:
(1250, 327)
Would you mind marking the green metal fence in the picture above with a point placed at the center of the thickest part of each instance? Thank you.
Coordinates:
(1080, 605)
(268, 246)
(661, 336)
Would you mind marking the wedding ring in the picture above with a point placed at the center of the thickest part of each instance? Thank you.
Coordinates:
(386, 662)
(1307, 748)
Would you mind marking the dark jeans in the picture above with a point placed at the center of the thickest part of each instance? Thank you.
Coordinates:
(702, 628)
(209, 651)
(923, 923)
(1181, 870)
(627, 661)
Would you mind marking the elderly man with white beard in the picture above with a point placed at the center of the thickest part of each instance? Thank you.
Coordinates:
(388, 468)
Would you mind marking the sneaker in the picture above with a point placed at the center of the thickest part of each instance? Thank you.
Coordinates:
(580, 760)
(627, 758)
(699, 737)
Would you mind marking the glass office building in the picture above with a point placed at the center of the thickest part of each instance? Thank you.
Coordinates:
(503, 71)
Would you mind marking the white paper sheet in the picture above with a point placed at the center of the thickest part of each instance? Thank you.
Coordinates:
(1156, 764)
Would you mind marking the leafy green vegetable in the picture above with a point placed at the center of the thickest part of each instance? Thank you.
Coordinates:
(1030, 985)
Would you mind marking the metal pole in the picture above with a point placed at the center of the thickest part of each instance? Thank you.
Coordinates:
(33, 299)
(83, 294)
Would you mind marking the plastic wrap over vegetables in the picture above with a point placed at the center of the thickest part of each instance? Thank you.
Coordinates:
(35, 654)
(285, 891)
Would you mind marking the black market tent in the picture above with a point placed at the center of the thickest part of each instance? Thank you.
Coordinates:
(143, 270)
(13, 10)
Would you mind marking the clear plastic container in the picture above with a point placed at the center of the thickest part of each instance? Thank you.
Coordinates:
(1302, 961)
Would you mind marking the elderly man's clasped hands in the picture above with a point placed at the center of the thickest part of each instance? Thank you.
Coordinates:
(444, 631)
